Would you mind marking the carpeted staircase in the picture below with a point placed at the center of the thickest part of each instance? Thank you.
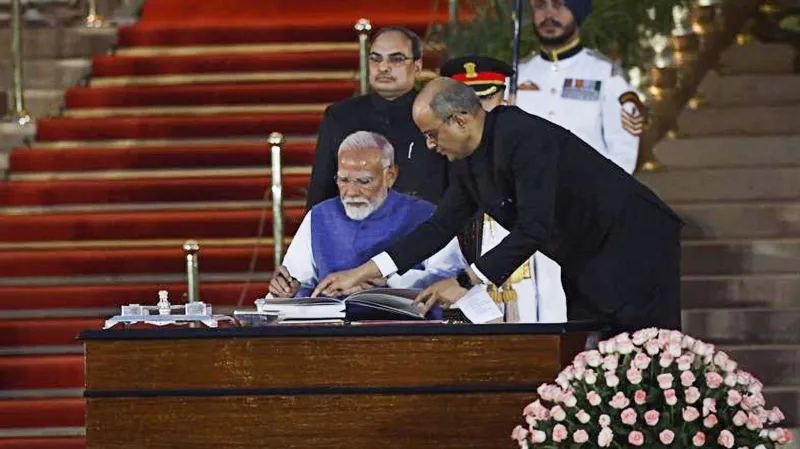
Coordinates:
(167, 141)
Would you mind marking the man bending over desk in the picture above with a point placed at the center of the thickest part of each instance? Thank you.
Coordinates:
(367, 218)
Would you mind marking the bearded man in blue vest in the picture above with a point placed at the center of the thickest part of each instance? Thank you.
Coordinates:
(367, 218)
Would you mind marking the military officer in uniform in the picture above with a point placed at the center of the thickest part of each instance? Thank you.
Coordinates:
(487, 76)
(585, 92)
(618, 243)
(395, 60)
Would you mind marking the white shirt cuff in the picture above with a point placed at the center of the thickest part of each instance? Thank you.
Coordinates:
(385, 264)
(480, 275)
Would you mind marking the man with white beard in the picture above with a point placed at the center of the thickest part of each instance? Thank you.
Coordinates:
(367, 218)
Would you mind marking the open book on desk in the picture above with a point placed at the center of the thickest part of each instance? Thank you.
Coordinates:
(373, 304)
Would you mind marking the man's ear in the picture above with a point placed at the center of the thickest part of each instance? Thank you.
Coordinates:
(391, 175)
(418, 65)
(460, 119)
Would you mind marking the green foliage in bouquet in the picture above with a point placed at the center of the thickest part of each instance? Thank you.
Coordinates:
(616, 28)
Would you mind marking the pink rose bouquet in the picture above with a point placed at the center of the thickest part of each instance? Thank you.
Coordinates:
(654, 389)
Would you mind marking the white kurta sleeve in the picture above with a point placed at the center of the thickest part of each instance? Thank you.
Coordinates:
(619, 122)
(442, 265)
(299, 258)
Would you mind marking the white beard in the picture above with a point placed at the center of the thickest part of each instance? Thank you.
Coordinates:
(359, 213)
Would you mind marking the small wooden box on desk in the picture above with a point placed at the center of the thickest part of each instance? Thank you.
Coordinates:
(399, 386)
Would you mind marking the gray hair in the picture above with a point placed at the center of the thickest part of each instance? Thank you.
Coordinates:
(360, 140)
(454, 97)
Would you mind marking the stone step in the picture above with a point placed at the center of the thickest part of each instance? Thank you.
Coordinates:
(725, 184)
(757, 58)
(773, 364)
(740, 220)
(739, 291)
(748, 90)
(48, 73)
(744, 326)
(739, 151)
(741, 257)
(739, 121)
(44, 102)
(61, 42)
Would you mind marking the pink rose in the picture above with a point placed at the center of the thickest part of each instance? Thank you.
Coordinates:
(674, 349)
(538, 436)
(775, 415)
(744, 378)
(636, 438)
(710, 421)
(611, 379)
(713, 380)
(560, 433)
(720, 358)
(740, 418)
(640, 397)
(605, 437)
(666, 360)
(651, 417)
(593, 398)
(634, 376)
(628, 416)
(619, 401)
(569, 399)
(685, 362)
(730, 380)
(583, 417)
(753, 422)
(610, 363)
(692, 395)
(730, 366)
(652, 347)
(726, 439)
(687, 378)
(734, 398)
(519, 433)
(594, 359)
(604, 420)
(558, 413)
(625, 347)
(665, 381)
(709, 406)
(590, 377)
(670, 397)
(666, 437)
(606, 346)
(536, 410)
(690, 414)
(699, 439)
(641, 361)
(580, 436)
(787, 437)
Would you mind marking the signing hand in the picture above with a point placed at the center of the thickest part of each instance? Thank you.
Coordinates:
(283, 285)
(445, 292)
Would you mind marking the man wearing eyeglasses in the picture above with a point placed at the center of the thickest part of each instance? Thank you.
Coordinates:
(618, 244)
(395, 60)
(367, 218)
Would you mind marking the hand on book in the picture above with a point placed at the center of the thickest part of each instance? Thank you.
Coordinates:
(283, 285)
(339, 283)
(445, 292)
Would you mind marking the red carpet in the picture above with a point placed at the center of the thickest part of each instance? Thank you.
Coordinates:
(54, 129)
(145, 191)
(115, 295)
(74, 301)
(142, 225)
(93, 159)
(40, 371)
(201, 95)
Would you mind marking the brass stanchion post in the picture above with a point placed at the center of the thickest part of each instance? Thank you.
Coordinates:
(93, 19)
(452, 9)
(17, 114)
(276, 143)
(363, 27)
(191, 248)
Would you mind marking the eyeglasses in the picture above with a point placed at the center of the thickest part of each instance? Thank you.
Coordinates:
(433, 135)
(360, 182)
(393, 59)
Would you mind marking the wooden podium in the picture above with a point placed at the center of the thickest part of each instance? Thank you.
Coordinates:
(356, 386)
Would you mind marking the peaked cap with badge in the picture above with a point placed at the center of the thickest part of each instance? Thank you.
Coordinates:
(486, 75)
